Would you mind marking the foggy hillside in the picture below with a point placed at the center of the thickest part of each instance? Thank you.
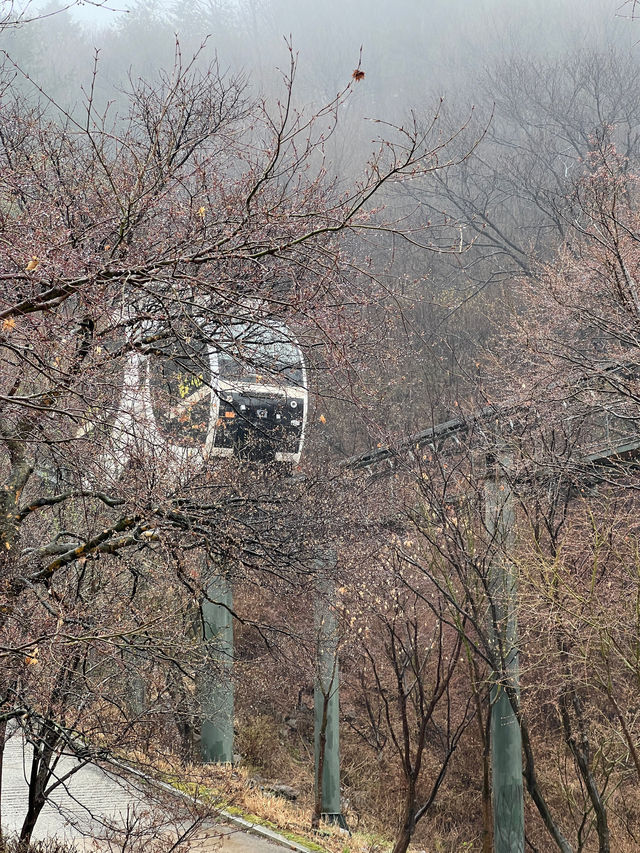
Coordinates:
(319, 366)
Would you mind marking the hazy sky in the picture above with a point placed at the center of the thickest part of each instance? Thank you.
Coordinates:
(409, 46)
(106, 11)
(100, 16)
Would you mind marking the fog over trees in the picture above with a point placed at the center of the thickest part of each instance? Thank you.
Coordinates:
(416, 226)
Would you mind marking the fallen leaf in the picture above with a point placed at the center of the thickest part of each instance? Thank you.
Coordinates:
(32, 658)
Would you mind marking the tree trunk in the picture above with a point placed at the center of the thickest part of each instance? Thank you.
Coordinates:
(36, 799)
(33, 813)
(403, 838)
(322, 745)
(402, 841)
(538, 798)
(42, 766)
(580, 750)
(484, 731)
(3, 735)
(487, 814)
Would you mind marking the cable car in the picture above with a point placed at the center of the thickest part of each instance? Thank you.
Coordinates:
(240, 393)
(262, 388)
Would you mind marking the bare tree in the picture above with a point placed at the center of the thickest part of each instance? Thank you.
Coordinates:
(129, 241)
(410, 657)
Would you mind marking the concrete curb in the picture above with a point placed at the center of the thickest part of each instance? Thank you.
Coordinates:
(240, 822)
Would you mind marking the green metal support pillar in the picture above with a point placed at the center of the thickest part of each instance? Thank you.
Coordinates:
(326, 692)
(506, 742)
(216, 692)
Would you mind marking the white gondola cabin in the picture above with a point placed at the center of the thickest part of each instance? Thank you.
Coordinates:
(242, 393)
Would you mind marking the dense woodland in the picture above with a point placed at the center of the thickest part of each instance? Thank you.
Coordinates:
(454, 233)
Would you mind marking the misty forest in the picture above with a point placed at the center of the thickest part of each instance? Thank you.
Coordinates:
(320, 425)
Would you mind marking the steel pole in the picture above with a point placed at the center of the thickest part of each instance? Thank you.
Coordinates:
(216, 697)
(326, 691)
(506, 742)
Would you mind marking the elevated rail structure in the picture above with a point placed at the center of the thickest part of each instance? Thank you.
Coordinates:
(494, 433)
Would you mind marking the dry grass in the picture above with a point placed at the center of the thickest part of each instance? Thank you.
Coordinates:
(232, 789)
(49, 845)
(372, 794)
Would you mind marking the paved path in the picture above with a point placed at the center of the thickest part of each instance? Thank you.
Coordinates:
(95, 804)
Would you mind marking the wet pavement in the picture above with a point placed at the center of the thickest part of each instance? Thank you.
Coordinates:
(96, 809)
